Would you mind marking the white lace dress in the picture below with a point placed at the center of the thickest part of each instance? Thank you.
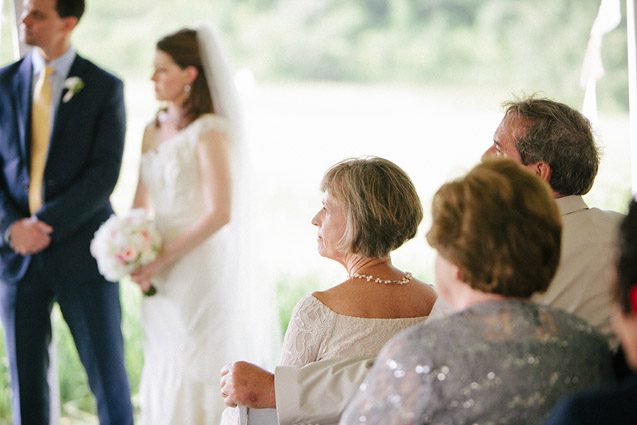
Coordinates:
(317, 333)
(186, 337)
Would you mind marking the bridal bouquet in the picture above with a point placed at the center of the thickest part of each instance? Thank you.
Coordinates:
(122, 244)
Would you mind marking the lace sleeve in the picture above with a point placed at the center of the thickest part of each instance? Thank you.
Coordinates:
(306, 332)
(209, 122)
(396, 392)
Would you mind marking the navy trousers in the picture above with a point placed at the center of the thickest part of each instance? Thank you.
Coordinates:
(93, 313)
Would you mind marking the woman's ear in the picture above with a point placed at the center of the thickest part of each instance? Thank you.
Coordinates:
(191, 73)
(457, 272)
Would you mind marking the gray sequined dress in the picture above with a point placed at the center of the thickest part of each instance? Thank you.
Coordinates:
(500, 362)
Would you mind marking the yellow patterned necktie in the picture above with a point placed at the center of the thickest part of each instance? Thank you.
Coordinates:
(40, 135)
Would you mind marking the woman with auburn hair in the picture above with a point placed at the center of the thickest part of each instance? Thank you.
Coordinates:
(614, 405)
(499, 358)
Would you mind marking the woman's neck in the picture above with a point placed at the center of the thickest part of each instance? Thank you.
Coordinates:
(471, 297)
(174, 111)
(170, 118)
(365, 265)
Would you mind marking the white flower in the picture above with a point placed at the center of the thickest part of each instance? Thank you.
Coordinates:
(73, 85)
(122, 244)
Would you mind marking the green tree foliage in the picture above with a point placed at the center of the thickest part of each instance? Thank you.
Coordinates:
(525, 45)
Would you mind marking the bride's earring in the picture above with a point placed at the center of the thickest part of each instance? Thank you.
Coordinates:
(187, 88)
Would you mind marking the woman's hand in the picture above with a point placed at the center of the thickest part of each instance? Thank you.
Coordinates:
(144, 275)
(246, 384)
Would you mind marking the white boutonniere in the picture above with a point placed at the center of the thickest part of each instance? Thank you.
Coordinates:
(73, 85)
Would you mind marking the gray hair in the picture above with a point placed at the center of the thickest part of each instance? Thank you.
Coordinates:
(560, 136)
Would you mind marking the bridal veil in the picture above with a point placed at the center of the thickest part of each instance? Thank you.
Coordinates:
(253, 325)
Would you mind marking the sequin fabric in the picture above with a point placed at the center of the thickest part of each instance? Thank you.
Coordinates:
(503, 362)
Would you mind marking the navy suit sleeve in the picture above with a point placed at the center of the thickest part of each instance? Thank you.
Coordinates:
(8, 213)
(90, 191)
(565, 413)
(9, 153)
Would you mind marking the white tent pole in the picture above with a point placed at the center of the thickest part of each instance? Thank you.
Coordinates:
(632, 87)
(19, 48)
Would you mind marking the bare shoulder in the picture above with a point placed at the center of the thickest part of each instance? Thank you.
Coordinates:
(323, 296)
(422, 295)
(150, 140)
(212, 136)
(333, 296)
(211, 128)
(425, 289)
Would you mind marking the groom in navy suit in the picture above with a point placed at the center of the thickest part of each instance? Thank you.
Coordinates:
(54, 194)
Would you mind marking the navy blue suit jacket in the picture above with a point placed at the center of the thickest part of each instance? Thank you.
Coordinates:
(608, 406)
(81, 170)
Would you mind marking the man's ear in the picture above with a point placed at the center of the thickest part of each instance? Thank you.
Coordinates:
(541, 169)
(69, 23)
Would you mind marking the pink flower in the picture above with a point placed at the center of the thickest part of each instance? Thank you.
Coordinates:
(128, 254)
(123, 244)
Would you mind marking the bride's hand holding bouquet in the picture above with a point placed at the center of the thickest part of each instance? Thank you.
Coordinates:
(128, 245)
(144, 274)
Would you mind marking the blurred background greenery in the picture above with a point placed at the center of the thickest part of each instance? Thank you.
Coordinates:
(417, 81)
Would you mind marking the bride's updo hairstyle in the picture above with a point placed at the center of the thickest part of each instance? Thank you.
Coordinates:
(381, 205)
(500, 225)
(183, 48)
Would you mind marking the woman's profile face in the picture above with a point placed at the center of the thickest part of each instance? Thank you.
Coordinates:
(169, 78)
(330, 221)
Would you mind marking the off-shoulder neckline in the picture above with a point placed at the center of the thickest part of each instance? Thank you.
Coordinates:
(316, 300)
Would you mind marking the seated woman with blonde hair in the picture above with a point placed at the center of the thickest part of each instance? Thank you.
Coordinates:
(370, 208)
(499, 358)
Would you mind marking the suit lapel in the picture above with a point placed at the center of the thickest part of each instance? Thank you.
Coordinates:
(23, 106)
(65, 108)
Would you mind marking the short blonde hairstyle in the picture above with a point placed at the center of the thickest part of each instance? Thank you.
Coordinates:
(381, 205)
(501, 226)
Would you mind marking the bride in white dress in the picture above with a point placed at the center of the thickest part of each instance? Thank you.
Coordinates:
(191, 179)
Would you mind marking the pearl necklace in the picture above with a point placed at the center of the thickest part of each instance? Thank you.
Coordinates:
(375, 279)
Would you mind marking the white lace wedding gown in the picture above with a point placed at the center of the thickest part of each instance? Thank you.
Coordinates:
(187, 339)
